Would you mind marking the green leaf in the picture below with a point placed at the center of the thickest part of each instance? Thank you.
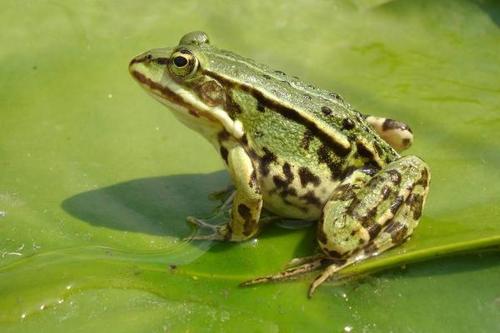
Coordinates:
(96, 178)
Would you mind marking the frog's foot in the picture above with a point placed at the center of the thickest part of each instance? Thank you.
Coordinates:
(395, 133)
(302, 266)
(218, 232)
(325, 275)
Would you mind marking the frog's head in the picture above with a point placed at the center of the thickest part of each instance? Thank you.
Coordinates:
(175, 77)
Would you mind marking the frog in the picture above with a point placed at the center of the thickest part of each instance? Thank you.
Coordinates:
(293, 150)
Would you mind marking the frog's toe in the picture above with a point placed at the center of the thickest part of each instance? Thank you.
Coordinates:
(218, 232)
(326, 274)
(201, 223)
(309, 266)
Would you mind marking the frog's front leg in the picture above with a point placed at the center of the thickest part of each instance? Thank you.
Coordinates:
(247, 200)
(394, 132)
(368, 215)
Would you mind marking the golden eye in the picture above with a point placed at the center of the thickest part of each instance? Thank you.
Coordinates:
(183, 63)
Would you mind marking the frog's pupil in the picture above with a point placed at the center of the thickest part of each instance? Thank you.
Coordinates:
(180, 61)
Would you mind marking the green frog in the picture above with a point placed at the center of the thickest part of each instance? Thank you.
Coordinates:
(292, 149)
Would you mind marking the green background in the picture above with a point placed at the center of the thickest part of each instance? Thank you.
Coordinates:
(96, 178)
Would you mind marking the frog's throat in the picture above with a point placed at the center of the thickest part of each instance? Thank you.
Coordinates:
(176, 97)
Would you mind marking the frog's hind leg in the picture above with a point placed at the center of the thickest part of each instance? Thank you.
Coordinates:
(301, 266)
(368, 215)
(395, 133)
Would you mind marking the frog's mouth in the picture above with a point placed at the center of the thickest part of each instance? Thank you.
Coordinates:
(149, 71)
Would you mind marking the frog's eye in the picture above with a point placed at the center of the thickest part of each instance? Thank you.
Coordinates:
(183, 63)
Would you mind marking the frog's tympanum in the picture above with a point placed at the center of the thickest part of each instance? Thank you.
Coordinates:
(294, 150)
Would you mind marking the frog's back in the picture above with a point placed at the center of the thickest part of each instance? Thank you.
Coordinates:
(304, 140)
(274, 103)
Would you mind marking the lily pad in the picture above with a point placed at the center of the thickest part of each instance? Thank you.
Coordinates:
(96, 178)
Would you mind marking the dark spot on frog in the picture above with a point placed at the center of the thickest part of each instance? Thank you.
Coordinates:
(288, 191)
(415, 201)
(265, 161)
(396, 204)
(244, 212)
(287, 170)
(374, 230)
(324, 157)
(286, 82)
(279, 182)
(306, 177)
(370, 168)
(162, 61)
(267, 77)
(347, 124)
(336, 255)
(363, 151)
(311, 198)
(244, 140)
(283, 183)
(309, 97)
(368, 219)
(306, 139)
(326, 110)
(223, 135)
(394, 124)
(395, 176)
(279, 72)
(370, 248)
(424, 178)
(397, 230)
(232, 107)
(224, 153)
(386, 191)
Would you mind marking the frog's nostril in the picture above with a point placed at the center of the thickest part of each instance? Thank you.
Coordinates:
(143, 58)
